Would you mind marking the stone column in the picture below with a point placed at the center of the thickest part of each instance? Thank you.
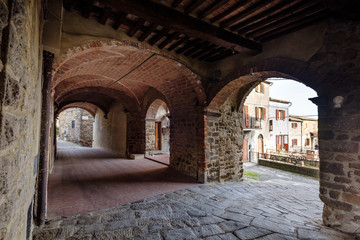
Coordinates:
(45, 138)
(135, 134)
(149, 137)
(339, 137)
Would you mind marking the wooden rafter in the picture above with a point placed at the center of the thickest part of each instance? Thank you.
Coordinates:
(147, 32)
(229, 10)
(178, 43)
(106, 14)
(188, 45)
(136, 27)
(169, 39)
(288, 12)
(177, 21)
(204, 51)
(245, 13)
(196, 48)
(193, 5)
(294, 26)
(257, 17)
(212, 53)
(87, 8)
(298, 16)
(211, 8)
(120, 19)
(158, 36)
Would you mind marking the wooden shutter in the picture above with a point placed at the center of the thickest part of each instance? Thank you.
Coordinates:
(277, 114)
(256, 113)
(246, 116)
(264, 113)
(283, 114)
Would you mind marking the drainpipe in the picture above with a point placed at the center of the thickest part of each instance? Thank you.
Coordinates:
(45, 138)
(301, 142)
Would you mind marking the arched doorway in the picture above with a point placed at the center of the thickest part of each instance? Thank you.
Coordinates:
(157, 131)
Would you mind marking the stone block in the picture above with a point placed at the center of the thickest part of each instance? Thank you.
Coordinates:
(351, 198)
(335, 168)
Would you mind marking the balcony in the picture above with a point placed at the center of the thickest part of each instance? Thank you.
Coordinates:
(252, 123)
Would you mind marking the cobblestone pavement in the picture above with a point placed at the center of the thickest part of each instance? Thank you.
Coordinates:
(268, 209)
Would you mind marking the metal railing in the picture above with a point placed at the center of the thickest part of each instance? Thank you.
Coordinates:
(295, 160)
(252, 123)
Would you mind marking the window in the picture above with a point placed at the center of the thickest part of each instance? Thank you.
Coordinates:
(280, 114)
(73, 124)
(270, 125)
(307, 142)
(260, 113)
(260, 88)
(246, 110)
(294, 142)
(294, 125)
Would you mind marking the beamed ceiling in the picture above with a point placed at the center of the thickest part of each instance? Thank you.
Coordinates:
(207, 30)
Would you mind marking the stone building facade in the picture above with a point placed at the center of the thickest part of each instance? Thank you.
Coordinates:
(256, 122)
(279, 121)
(76, 125)
(93, 67)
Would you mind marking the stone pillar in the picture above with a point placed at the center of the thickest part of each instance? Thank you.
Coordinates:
(135, 134)
(223, 144)
(149, 137)
(339, 137)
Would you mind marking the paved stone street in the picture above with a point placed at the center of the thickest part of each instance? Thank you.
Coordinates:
(271, 208)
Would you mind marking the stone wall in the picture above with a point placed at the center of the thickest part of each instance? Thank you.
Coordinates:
(110, 132)
(339, 128)
(223, 147)
(82, 132)
(135, 133)
(20, 106)
(149, 137)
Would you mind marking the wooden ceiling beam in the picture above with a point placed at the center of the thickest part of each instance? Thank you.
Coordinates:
(147, 32)
(220, 56)
(188, 25)
(136, 27)
(178, 43)
(229, 10)
(288, 20)
(288, 12)
(176, 3)
(158, 36)
(245, 13)
(204, 51)
(120, 19)
(188, 45)
(193, 5)
(294, 26)
(198, 47)
(256, 18)
(169, 39)
(212, 53)
(106, 14)
(211, 8)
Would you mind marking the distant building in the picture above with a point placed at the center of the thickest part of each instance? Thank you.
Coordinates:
(304, 134)
(256, 124)
(76, 125)
(279, 125)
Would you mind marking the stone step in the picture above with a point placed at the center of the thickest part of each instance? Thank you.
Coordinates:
(137, 156)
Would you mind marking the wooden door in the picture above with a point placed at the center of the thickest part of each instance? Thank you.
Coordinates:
(158, 136)
(260, 145)
(245, 151)
(278, 143)
(286, 142)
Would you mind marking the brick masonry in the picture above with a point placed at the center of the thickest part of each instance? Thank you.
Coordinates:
(20, 91)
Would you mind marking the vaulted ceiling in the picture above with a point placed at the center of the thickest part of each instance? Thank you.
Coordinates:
(208, 30)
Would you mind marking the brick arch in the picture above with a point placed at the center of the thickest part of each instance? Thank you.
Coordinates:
(153, 108)
(117, 58)
(89, 107)
(247, 77)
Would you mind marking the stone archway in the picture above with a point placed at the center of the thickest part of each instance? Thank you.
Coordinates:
(338, 131)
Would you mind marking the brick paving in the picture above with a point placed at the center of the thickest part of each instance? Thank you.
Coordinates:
(88, 179)
(271, 208)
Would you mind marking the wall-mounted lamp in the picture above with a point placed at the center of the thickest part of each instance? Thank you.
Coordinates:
(338, 101)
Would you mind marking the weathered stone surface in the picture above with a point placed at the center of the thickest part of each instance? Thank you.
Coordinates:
(251, 233)
(335, 168)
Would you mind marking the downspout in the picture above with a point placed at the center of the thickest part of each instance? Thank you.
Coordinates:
(301, 138)
(45, 138)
